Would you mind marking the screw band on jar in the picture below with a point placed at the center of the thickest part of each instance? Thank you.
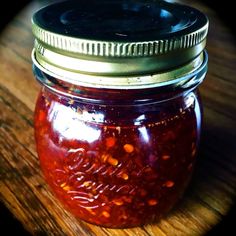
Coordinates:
(124, 64)
(182, 76)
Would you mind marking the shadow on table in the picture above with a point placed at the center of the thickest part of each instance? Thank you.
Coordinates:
(217, 161)
(9, 225)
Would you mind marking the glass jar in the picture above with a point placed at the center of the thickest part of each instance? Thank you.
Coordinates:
(118, 118)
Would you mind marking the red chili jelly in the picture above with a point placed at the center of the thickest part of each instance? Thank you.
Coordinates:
(118, 119)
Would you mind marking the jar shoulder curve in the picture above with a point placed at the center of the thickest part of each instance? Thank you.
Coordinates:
(112, 113)
(64, 116)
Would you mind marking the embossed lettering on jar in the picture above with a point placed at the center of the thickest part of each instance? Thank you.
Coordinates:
(118, 118)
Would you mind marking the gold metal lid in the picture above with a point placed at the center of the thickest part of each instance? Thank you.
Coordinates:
(94, 39)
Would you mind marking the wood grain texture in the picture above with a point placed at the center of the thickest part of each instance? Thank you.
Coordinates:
(22, 187)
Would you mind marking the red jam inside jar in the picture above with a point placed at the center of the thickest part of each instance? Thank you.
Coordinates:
(116, 152)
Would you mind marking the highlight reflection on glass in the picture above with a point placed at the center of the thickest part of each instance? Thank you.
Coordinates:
(73, 127)
(144, 134)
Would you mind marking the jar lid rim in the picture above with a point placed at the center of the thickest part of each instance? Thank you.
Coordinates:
(140, 29)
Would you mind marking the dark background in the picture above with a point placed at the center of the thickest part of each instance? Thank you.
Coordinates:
(10, 9)
(11, 226)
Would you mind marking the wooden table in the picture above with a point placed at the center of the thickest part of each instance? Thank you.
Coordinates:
(22, 187)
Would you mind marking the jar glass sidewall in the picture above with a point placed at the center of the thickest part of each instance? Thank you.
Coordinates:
(117, 166)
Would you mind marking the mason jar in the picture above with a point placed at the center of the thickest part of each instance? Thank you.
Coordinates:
(118, 117)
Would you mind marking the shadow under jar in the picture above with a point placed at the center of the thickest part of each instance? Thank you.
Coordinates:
(118, 118)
